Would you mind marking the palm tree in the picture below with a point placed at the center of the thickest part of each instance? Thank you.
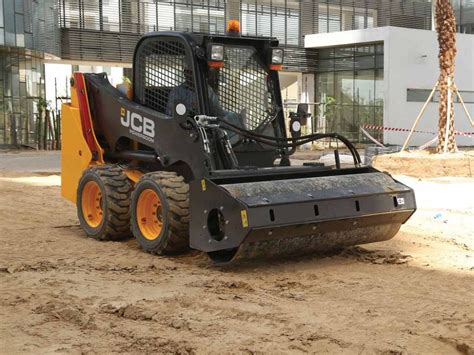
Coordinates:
(446, 28)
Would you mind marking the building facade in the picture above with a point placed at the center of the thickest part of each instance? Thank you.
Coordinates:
(28, 34)
(104, 32)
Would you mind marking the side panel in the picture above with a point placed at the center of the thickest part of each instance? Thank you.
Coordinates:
(171, 138)
(75, 153)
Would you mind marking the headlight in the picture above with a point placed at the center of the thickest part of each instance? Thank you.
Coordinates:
(277, 56)
(216, 52)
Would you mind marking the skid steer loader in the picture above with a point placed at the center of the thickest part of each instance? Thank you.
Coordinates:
(199, 158)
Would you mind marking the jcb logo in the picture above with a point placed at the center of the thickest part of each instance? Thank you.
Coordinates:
(138, 124)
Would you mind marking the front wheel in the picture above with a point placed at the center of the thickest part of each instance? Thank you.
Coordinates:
(160, 213)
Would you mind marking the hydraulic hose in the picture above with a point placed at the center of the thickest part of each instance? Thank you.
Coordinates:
(291, 142)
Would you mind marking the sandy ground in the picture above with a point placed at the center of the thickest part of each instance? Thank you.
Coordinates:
(63, 293)
(427, 164)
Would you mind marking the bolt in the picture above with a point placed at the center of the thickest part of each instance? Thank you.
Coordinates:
(203, 227)
(226, 237)
(221, 208)
(314, 228)
(270, 233)
(227, 222)
(265, 199)
(309, 195)
(354, 223)
(205, 211)
(210, 241)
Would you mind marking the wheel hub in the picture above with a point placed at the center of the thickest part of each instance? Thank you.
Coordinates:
(149, 214)
(91, 202)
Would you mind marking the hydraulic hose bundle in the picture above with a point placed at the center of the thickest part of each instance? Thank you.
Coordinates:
(291, 142)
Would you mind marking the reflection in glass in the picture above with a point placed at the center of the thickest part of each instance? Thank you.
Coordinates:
(344, 87)
(351, 80)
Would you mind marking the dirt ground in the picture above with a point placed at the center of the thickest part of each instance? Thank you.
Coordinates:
(427, 164)
(61, 292)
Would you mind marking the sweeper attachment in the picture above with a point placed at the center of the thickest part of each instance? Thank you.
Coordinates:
(199, 157)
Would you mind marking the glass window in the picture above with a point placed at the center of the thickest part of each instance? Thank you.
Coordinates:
(467, 97)
(20, 32)
(344, 87)
(379, 87)
(417, 95)
(324, 85)
(364, 87)
(1, 15)
(350, 76)
(364, 62)
(9, 22)
(326, 65)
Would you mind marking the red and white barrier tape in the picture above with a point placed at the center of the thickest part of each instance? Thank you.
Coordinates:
(382, 128)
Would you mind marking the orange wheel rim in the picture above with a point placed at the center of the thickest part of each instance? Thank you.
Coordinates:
(149, 214)
(91, 202)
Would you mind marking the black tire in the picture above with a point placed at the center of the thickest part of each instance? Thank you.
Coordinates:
(115, 190)
(173, 194)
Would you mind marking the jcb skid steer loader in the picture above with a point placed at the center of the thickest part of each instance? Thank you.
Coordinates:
(190, 159)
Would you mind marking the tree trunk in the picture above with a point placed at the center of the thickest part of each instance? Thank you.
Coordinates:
(446, 28)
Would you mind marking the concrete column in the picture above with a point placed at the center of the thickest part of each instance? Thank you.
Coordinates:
(232, 10)
(307, 90)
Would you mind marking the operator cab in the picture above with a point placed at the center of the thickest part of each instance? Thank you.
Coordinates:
(225, 76)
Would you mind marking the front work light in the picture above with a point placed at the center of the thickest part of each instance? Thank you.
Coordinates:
(217, 52)
(275, 61)
(215, 55)
(277, 56)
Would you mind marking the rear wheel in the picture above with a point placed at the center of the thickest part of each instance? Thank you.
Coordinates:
(103, 202)
(160, 213)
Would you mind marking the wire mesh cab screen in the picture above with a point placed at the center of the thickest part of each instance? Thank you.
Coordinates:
(241, 85)
(164, 74)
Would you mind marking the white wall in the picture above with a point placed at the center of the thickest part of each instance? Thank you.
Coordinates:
(410, 61)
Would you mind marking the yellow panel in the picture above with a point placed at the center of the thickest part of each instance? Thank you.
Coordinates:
(75, 153)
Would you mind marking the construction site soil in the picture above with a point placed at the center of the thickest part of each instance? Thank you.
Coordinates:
(61, 292)
(427, 164)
